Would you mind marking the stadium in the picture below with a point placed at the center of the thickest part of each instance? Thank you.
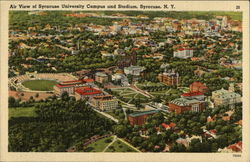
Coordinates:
(41, 82)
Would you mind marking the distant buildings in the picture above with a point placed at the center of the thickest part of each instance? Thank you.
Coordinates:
(139, 118)
(169, 78)
(224, 97)
(105, 102)
(101, 77)
(127, 60)
(183, 53)
(180, 105)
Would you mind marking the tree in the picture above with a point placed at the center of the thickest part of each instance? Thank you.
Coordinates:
(120, 130)
(12, 102)
(65, 96)
(176, 147)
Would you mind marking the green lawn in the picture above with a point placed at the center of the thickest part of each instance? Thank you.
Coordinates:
(166, 92)
(129, 93)
(22, 112)
(40, 85)
(146, 84)
(99, 145)
(119, 146)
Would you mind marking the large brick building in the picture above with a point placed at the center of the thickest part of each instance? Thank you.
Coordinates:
(198, 87)
(139, 118)
(169, 78)
(69, 86)
(180, 105)
(87, 92)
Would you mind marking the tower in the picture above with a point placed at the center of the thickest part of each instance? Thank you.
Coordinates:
(231, 87)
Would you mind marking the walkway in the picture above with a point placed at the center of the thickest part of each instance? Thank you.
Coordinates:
(106, 115)
(129, 144)
(114, 139)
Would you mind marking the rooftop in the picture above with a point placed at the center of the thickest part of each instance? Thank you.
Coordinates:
(184, 101)
(87, 91)
(192, 94)
(143, 113)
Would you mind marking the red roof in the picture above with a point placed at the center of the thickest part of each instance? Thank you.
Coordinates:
(198, 84)
(213, 131)
(182, 49)
(172, 125)
(237, 147)
(87, 91)
(74, 82)
(88, 80)
(165, 125)
(192, 94)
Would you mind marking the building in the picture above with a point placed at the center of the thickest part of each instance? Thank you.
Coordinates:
(139, 118)
(224, 97)
(101, 77)
(133, 70)
(120, 79)
(87, 92)
(198, 87)
(180, 105)
(127, 60)
(183, 53)
(69, 86)
(105, 102)
(169, 78)
(194, 95)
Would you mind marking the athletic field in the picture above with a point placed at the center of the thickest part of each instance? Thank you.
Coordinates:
(39, 85)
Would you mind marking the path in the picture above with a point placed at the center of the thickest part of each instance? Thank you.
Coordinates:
(129, 144)
(141, 91)
(114, 139)
(106, 115)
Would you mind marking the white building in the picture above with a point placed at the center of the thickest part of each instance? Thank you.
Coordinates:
(224, 97)
(133, 70)
(122, 78)
(184, 53)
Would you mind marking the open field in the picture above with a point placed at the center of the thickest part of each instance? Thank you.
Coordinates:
(40, 85)
(146, 84)
(22, 112)
(25, 96)
(99, 145)
(109, 144)
(119, 146)
(166, 92)
(129, 93)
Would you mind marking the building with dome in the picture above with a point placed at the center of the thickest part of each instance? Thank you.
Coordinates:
(180, 105)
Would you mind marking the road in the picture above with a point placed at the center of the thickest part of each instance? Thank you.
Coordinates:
(106, 115)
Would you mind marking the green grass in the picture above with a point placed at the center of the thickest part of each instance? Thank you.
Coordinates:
(98, 146)
(129, 93)
(22, 112)
(40, 85)
(119, 146)
(146, 84)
